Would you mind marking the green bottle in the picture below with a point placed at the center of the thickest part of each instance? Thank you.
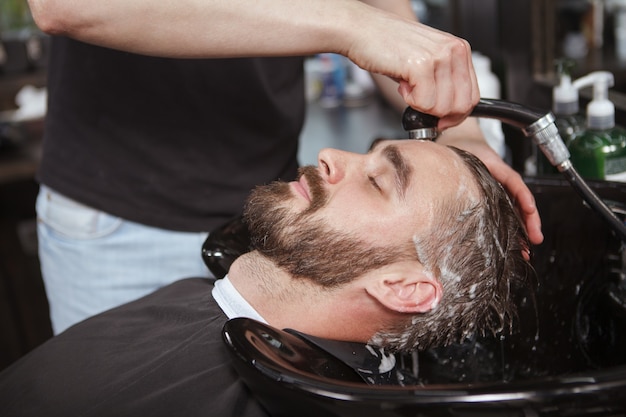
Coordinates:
(599, 151)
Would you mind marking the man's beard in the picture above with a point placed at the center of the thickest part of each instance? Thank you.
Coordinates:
(307, 247)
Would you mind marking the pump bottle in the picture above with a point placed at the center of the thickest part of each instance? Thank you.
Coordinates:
(568, 118)
(599, 150)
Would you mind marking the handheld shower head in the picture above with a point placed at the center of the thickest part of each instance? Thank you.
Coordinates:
(535, 124)
(420, 125)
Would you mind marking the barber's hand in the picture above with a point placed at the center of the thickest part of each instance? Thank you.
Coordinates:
(513, 183)
(434, 68)
(469, 137)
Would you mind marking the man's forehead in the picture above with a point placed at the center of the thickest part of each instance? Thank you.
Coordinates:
(412, 148)
(437, 159)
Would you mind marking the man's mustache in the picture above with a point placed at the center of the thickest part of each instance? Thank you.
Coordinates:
(318, 194)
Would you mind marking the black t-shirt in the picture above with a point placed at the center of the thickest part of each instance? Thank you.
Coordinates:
(162, 355)
(176, 144)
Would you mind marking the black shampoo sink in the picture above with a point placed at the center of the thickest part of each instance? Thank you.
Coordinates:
(566, 355)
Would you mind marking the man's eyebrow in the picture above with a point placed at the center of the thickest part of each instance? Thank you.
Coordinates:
(401, 168)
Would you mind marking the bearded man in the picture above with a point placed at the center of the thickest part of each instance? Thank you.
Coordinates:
(411, 245)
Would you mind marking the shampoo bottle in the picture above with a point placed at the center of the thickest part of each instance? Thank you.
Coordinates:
(599, 151)
(489, 85)
(569, 120)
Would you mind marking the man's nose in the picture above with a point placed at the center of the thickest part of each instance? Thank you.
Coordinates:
(332, 164)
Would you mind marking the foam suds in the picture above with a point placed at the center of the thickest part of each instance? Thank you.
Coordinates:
(472, 291)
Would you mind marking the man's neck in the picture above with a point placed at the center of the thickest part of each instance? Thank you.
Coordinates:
(270, 290)
(297, 303)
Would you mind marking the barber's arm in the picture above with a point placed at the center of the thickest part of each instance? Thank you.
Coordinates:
(434, 68)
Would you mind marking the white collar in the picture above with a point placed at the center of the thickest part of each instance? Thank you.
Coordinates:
(232, 302)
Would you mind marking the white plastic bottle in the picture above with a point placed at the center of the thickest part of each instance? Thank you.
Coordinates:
(566, 109)
(489, 85)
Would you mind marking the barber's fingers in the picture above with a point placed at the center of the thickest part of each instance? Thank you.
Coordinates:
(464, 91)
(434, 68)
(530, 215)
(522, 196)
(533, 227)
(442, 82)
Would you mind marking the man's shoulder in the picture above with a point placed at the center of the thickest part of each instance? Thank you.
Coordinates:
(188, 300)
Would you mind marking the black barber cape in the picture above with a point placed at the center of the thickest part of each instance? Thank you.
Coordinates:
(161, 355)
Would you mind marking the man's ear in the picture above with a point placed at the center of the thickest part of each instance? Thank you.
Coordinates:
(405, 287)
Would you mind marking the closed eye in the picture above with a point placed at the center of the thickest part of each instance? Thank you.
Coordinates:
(374, 183)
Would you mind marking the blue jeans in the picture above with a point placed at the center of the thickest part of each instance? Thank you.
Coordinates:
(92, 261)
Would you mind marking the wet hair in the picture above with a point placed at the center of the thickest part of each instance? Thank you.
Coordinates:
(475, 248)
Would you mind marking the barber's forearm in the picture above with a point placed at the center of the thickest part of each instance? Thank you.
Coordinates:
(204, 28)
(400, 7)
(388, 87)
(434, 68)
